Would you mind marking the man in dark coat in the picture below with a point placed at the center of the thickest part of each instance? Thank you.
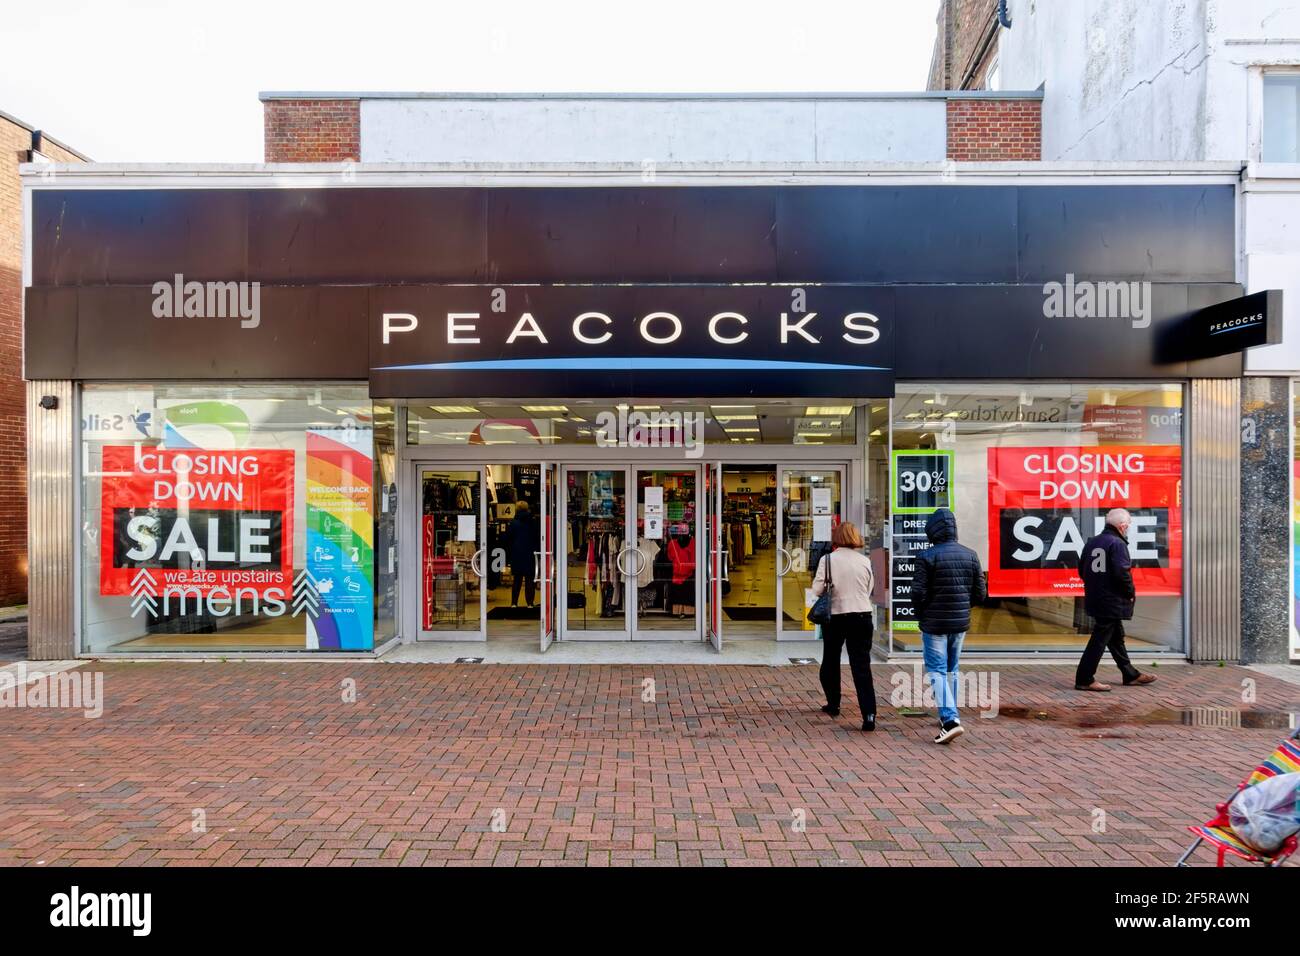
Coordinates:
(524, 542)
(1108, 596)
(947, 583)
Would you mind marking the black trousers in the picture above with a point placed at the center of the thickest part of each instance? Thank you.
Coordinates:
(1107, 635)
(855, 631)
(524, 577)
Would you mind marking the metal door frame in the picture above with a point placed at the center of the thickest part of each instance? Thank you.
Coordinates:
(782, 468)
(563, 632)
(416, 504)
(633, 503)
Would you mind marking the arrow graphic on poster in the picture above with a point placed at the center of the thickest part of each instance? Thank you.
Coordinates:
(306, 597)
(144, 593)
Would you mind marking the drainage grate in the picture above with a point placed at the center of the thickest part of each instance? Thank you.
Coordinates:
(803, 660)
(469, 660)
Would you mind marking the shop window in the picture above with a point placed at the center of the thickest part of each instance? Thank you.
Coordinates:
(1281, 118)
(543, 424)
(1030, 474)
(250, 518)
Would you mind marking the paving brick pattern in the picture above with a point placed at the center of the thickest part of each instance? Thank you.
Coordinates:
(554, 765)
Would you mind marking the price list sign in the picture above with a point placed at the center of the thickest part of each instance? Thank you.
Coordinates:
(921, 480)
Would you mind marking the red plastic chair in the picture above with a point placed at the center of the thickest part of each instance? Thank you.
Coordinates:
(1218, 832)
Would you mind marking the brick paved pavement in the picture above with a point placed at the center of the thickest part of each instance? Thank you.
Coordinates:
(582, 771)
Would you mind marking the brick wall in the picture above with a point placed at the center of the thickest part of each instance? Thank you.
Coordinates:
(15, 146)
(990, 130)
(311, 131)
(961, 56)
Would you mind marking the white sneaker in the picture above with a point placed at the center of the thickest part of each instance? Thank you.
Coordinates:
(950, 731)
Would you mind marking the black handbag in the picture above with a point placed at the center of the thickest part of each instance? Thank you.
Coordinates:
(820, 612)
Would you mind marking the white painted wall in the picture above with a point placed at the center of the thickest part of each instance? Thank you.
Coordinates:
(1172, 80)
(625, 130)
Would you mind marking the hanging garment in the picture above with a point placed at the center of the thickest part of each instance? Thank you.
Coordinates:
(649, 549)
(683, 558)
(464, 498)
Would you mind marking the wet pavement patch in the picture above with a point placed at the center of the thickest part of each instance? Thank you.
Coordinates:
(1227, 717)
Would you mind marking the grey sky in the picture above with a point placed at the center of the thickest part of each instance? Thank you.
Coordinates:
(149, 80)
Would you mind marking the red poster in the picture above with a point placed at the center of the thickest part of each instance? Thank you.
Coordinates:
(1044, 503)
(426, 571)
(198, 519)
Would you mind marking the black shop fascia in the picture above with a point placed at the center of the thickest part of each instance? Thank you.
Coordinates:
(625, 341)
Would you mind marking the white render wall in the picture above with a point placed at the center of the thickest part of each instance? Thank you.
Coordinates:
(1172, 81)
(1142, 80)
(649, 130)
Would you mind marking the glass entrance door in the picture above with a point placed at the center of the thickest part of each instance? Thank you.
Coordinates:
(716, 567)
(810, 504)
(546, 557)
(452, 546)
(661, 564)
(594, 526)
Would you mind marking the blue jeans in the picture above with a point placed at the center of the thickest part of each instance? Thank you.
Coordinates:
(942, 653)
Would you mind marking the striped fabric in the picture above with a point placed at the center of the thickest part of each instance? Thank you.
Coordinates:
(1225, 838)
(1286, 759)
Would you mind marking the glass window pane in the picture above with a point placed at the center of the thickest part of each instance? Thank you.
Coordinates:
(664, 425)
(1281, 113)
(1030, 475)
(596, 517)
(231, 518)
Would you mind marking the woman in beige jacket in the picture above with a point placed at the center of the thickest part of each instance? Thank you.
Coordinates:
(852, 622)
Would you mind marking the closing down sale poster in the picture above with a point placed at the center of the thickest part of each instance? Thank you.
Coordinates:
(1044, 503)
(207, 522)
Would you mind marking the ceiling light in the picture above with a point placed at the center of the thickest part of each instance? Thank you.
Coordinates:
(735, 418)
(815, 410)
(545, 408)
(743, 429)
(454, 409)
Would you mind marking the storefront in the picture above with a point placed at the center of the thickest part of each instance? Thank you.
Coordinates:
(295, 415)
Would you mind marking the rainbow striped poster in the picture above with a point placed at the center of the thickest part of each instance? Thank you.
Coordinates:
(340, 536)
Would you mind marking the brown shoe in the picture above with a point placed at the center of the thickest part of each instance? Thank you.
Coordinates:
(1141, 679)
(1096, 685)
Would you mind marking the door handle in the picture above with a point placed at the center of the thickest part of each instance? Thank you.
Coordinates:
(724, 568)
(640, 567)
(537, 565)
(789, 562)
(474, 563)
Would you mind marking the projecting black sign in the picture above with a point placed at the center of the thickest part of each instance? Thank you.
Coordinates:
(1231, 326)
(617, 341)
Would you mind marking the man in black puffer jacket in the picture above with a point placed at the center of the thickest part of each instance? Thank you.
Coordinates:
(948, 582)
